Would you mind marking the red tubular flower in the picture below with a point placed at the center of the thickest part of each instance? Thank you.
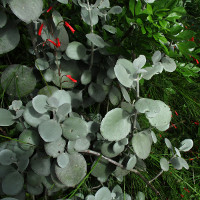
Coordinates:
(192, 39)
(40, 29)
(182, 195)
(197, 61)
(69, 76)
(176, 113)
(58, 42)
(174, 125)
(191, 159)
(49, 9)
(52, 42)
(67, 25)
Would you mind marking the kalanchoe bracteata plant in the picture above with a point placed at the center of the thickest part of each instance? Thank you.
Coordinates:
(56, 136)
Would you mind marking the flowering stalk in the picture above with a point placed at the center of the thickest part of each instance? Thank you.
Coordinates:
(67, 25)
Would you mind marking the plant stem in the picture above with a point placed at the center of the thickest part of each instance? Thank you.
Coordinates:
(121, 166)
(156, 176)
(92, 30)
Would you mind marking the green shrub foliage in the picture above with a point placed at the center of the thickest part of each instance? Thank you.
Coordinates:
(55, 137)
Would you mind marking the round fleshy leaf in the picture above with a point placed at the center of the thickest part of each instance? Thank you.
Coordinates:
(63, 160)
(115, 10)
(35, 190)
(26, 10)
(57, 19)
(10, 37)
(18, 80)
(48, 76)
(103, 194)
(168, 64)
(96, 40)
(139, 62)
(102, 169)
(122, 75)
(82, 144)
(63, 111)
(141, 144)
(5, 170)
(34, 118)
(131, 163)
(90, 197)
(67, 68)
(176, 163)
(114, 95)
(164, 164)
(33, 179)
(156, 57)
(40, 103)
(168, 144)
(55, 148)
(22, 163)
(74, 128)
(140, 196)
(30, 137)
(115, 125)
(151, 71)
(148, 106)
(74, 172)
(186, 145)
(86, 77)
(6, 118)
(177, 152)
(50, 130)
(12, 183)
(125, 93)
(48, 90)
(110, 29)
(7, 157)
(154, 138)
(41, 64)
(16, 104)
(86, 16)
(40, 164)
(76, 51)
(97, 92)
(163, 118)
(183, 163)
(3, 18)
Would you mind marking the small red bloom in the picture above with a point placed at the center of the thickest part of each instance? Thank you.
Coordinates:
(52, 42)
(49, 9)
(69, 76)
(58, 42)
(40, 29)
(192, 39)
(176, 113)
(197, 61)
(174, 125)
(160, 135)
(186, 190)
(67, 25)
(182, 195)
(191, 159)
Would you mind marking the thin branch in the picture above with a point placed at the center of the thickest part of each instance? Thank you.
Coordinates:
(121, 166)
(156, 176)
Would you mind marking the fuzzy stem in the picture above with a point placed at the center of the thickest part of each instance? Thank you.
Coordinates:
(121, 166)
(156, 176)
